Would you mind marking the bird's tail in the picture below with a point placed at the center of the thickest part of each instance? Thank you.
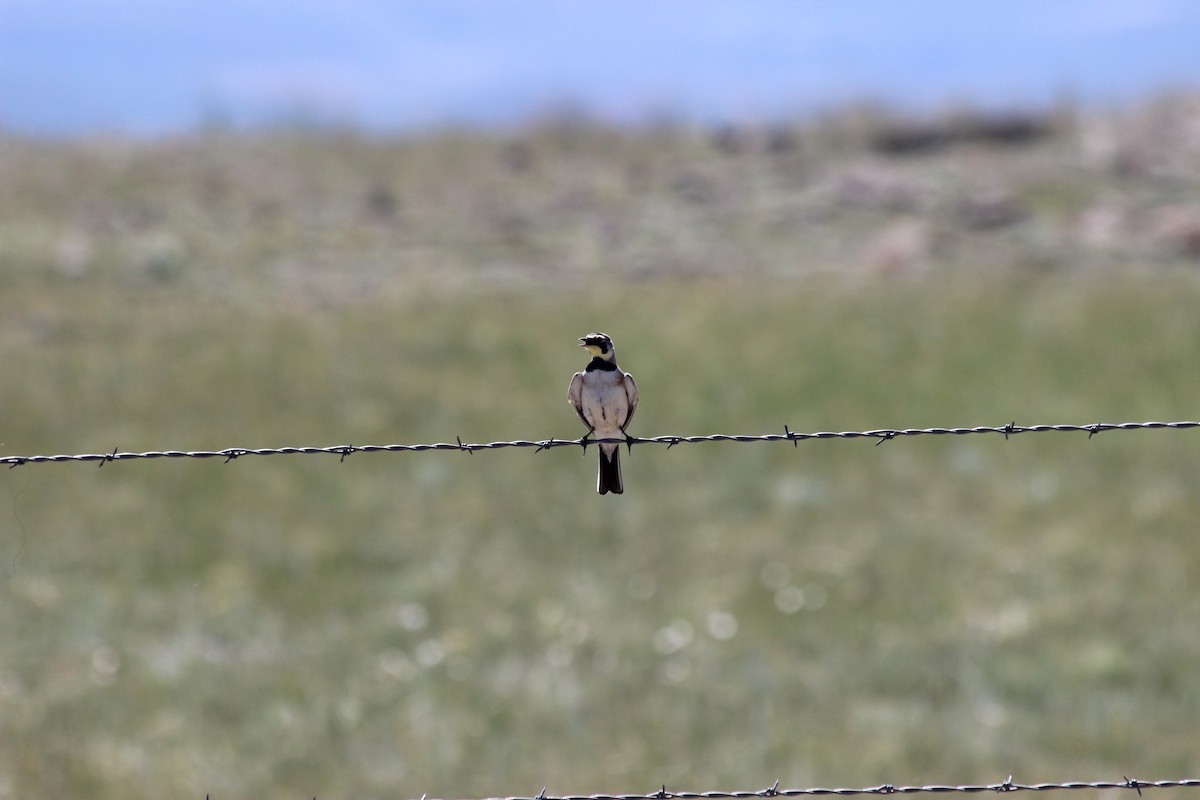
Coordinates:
(610, 472)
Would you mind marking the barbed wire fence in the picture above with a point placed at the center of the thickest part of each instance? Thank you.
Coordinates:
(879, 435)
(886, 789)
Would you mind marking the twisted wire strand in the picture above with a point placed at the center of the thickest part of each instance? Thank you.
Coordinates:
(885, 789)
(880, 436)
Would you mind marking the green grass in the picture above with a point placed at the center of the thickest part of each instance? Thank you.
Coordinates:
(929, 610)
(933, 609)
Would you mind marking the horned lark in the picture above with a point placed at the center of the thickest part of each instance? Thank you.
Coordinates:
(605, 398)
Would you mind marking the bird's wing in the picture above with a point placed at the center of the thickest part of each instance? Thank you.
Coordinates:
(632, 394)
(575, 397)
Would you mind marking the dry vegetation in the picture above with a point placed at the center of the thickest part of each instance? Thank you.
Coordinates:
(326, 217)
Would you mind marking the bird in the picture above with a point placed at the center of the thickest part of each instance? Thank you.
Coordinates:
(605, 398)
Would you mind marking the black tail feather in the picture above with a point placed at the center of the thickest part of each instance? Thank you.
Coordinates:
(610, 473)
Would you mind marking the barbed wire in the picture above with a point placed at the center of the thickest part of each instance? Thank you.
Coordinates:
(880, 436)
(885, 789)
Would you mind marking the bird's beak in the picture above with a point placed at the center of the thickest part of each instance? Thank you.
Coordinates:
(583, 342)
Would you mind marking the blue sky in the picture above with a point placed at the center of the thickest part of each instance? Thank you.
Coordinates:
(157, 66)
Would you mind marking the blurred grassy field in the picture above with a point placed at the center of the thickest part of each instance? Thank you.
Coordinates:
(930, 610)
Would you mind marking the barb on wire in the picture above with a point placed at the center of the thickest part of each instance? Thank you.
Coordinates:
(880, 436)
(887, 788)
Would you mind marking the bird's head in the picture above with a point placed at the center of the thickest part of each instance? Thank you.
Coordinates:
(598, 344)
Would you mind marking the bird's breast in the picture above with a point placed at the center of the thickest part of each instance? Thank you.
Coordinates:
(605, 403)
